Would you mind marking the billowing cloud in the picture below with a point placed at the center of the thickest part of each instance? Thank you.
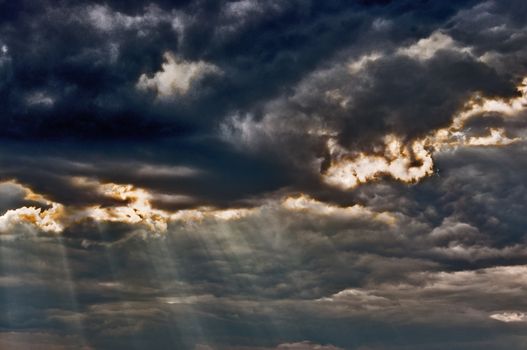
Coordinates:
(509, 316)
(306, 345)
(177, 76)
(248, 175)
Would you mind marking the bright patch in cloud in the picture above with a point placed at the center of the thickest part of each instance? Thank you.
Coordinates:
(510, 317)
(426, 48)
(311, 206)
(45, 219)
(412, 162)
(176, 77)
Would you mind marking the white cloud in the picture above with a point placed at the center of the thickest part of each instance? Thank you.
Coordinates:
(237, 14)
(40, 99)
(426, 48)
(177, 76)
(43, 219)
(349, 170)
(510, 317)
(105, 19)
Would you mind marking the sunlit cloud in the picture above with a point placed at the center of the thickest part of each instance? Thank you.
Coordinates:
(137, 208)
(398, 162)
(45, 218)
(176, 77)
(508, 317)
(477, 107)
(426, 48)
(263, 175)
(411, 161)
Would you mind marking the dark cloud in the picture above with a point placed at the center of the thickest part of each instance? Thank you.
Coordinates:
(443, 256)
(204, 106)
(73, 68)
(396, 95)
(70, 75)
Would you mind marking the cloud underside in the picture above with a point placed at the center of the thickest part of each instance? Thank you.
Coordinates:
(263, 175)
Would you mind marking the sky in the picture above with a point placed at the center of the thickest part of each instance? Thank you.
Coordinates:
(263, 175)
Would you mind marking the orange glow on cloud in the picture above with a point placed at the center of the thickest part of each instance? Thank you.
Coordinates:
(138, 210)
(412, 162)
(403, 162)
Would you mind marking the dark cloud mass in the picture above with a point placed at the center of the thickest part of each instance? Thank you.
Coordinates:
(263, 175)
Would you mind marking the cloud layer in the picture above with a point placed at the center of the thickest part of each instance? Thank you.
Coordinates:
(263, 175)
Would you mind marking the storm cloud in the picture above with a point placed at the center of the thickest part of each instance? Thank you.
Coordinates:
(263, 175)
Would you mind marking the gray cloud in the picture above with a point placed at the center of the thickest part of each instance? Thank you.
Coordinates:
(425, 259)
(226, 145)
